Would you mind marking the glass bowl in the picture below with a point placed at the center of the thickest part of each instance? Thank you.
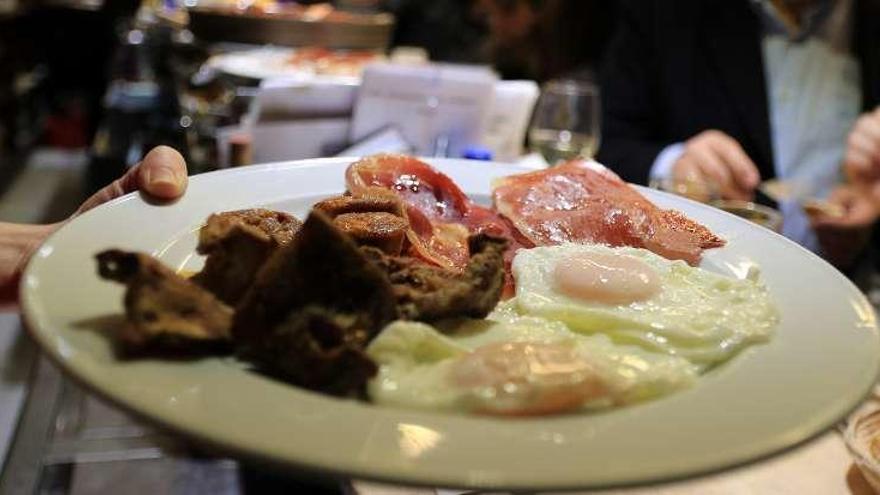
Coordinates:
(862, 437)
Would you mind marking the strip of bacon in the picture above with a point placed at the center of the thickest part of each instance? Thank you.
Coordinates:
(584, 202)
(441, 215)
(434, 204)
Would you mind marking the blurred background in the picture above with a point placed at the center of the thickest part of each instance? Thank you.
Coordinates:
(87, 87)
(765, 108)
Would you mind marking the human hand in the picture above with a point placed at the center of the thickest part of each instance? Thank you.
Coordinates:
(861, 162)
(843, 237)
(162, 175)
(714, 157)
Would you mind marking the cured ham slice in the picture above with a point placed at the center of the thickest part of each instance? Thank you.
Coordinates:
(584, 202)
(441, 215)
(435, 206)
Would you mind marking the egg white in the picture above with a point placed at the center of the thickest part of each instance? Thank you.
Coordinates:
(415, 362)
(699, 315)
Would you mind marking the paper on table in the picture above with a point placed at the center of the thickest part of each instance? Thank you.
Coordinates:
(429, 104)
(509, 117)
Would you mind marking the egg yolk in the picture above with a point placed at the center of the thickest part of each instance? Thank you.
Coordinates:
(527, 378)
(605, 278)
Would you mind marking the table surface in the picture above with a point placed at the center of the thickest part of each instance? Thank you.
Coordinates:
(822, 466)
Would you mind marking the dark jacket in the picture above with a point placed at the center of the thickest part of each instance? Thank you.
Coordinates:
(679, 67)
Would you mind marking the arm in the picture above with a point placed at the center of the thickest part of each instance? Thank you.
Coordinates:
(630, 106)
(17, 243)
(635, 141)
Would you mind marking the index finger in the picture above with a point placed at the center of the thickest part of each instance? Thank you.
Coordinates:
(743, 169)
(711, 168)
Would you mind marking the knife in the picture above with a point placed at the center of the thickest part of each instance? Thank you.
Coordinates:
(779, 191)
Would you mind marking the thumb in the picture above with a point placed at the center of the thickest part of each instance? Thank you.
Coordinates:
(161, 174)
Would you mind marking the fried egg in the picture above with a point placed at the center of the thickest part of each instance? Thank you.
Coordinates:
(636, 297)
(514, 365)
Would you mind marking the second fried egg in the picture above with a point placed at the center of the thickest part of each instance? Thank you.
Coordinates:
(637, 297)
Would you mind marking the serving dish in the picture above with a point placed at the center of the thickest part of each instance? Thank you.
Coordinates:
(291, 28)
(822, 361)
(276, 62)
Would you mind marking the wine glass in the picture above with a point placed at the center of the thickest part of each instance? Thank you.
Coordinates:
(565, 124)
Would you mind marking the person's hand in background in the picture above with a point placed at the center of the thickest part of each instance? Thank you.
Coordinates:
(842, 238)
(714, 157)
(162, 174)
(861, 161)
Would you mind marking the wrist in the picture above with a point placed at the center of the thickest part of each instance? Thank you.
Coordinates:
(663, 164)
(17, 244)
(36, 236)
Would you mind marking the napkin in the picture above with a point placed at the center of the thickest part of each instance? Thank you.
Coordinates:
(508, 120)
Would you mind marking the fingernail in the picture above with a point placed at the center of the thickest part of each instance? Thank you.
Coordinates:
(162, 174)
(163, 181)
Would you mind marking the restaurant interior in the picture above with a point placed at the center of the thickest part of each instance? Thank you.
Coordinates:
(713, 165)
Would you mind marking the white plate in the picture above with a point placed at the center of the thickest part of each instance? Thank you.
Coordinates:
(822, 361)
